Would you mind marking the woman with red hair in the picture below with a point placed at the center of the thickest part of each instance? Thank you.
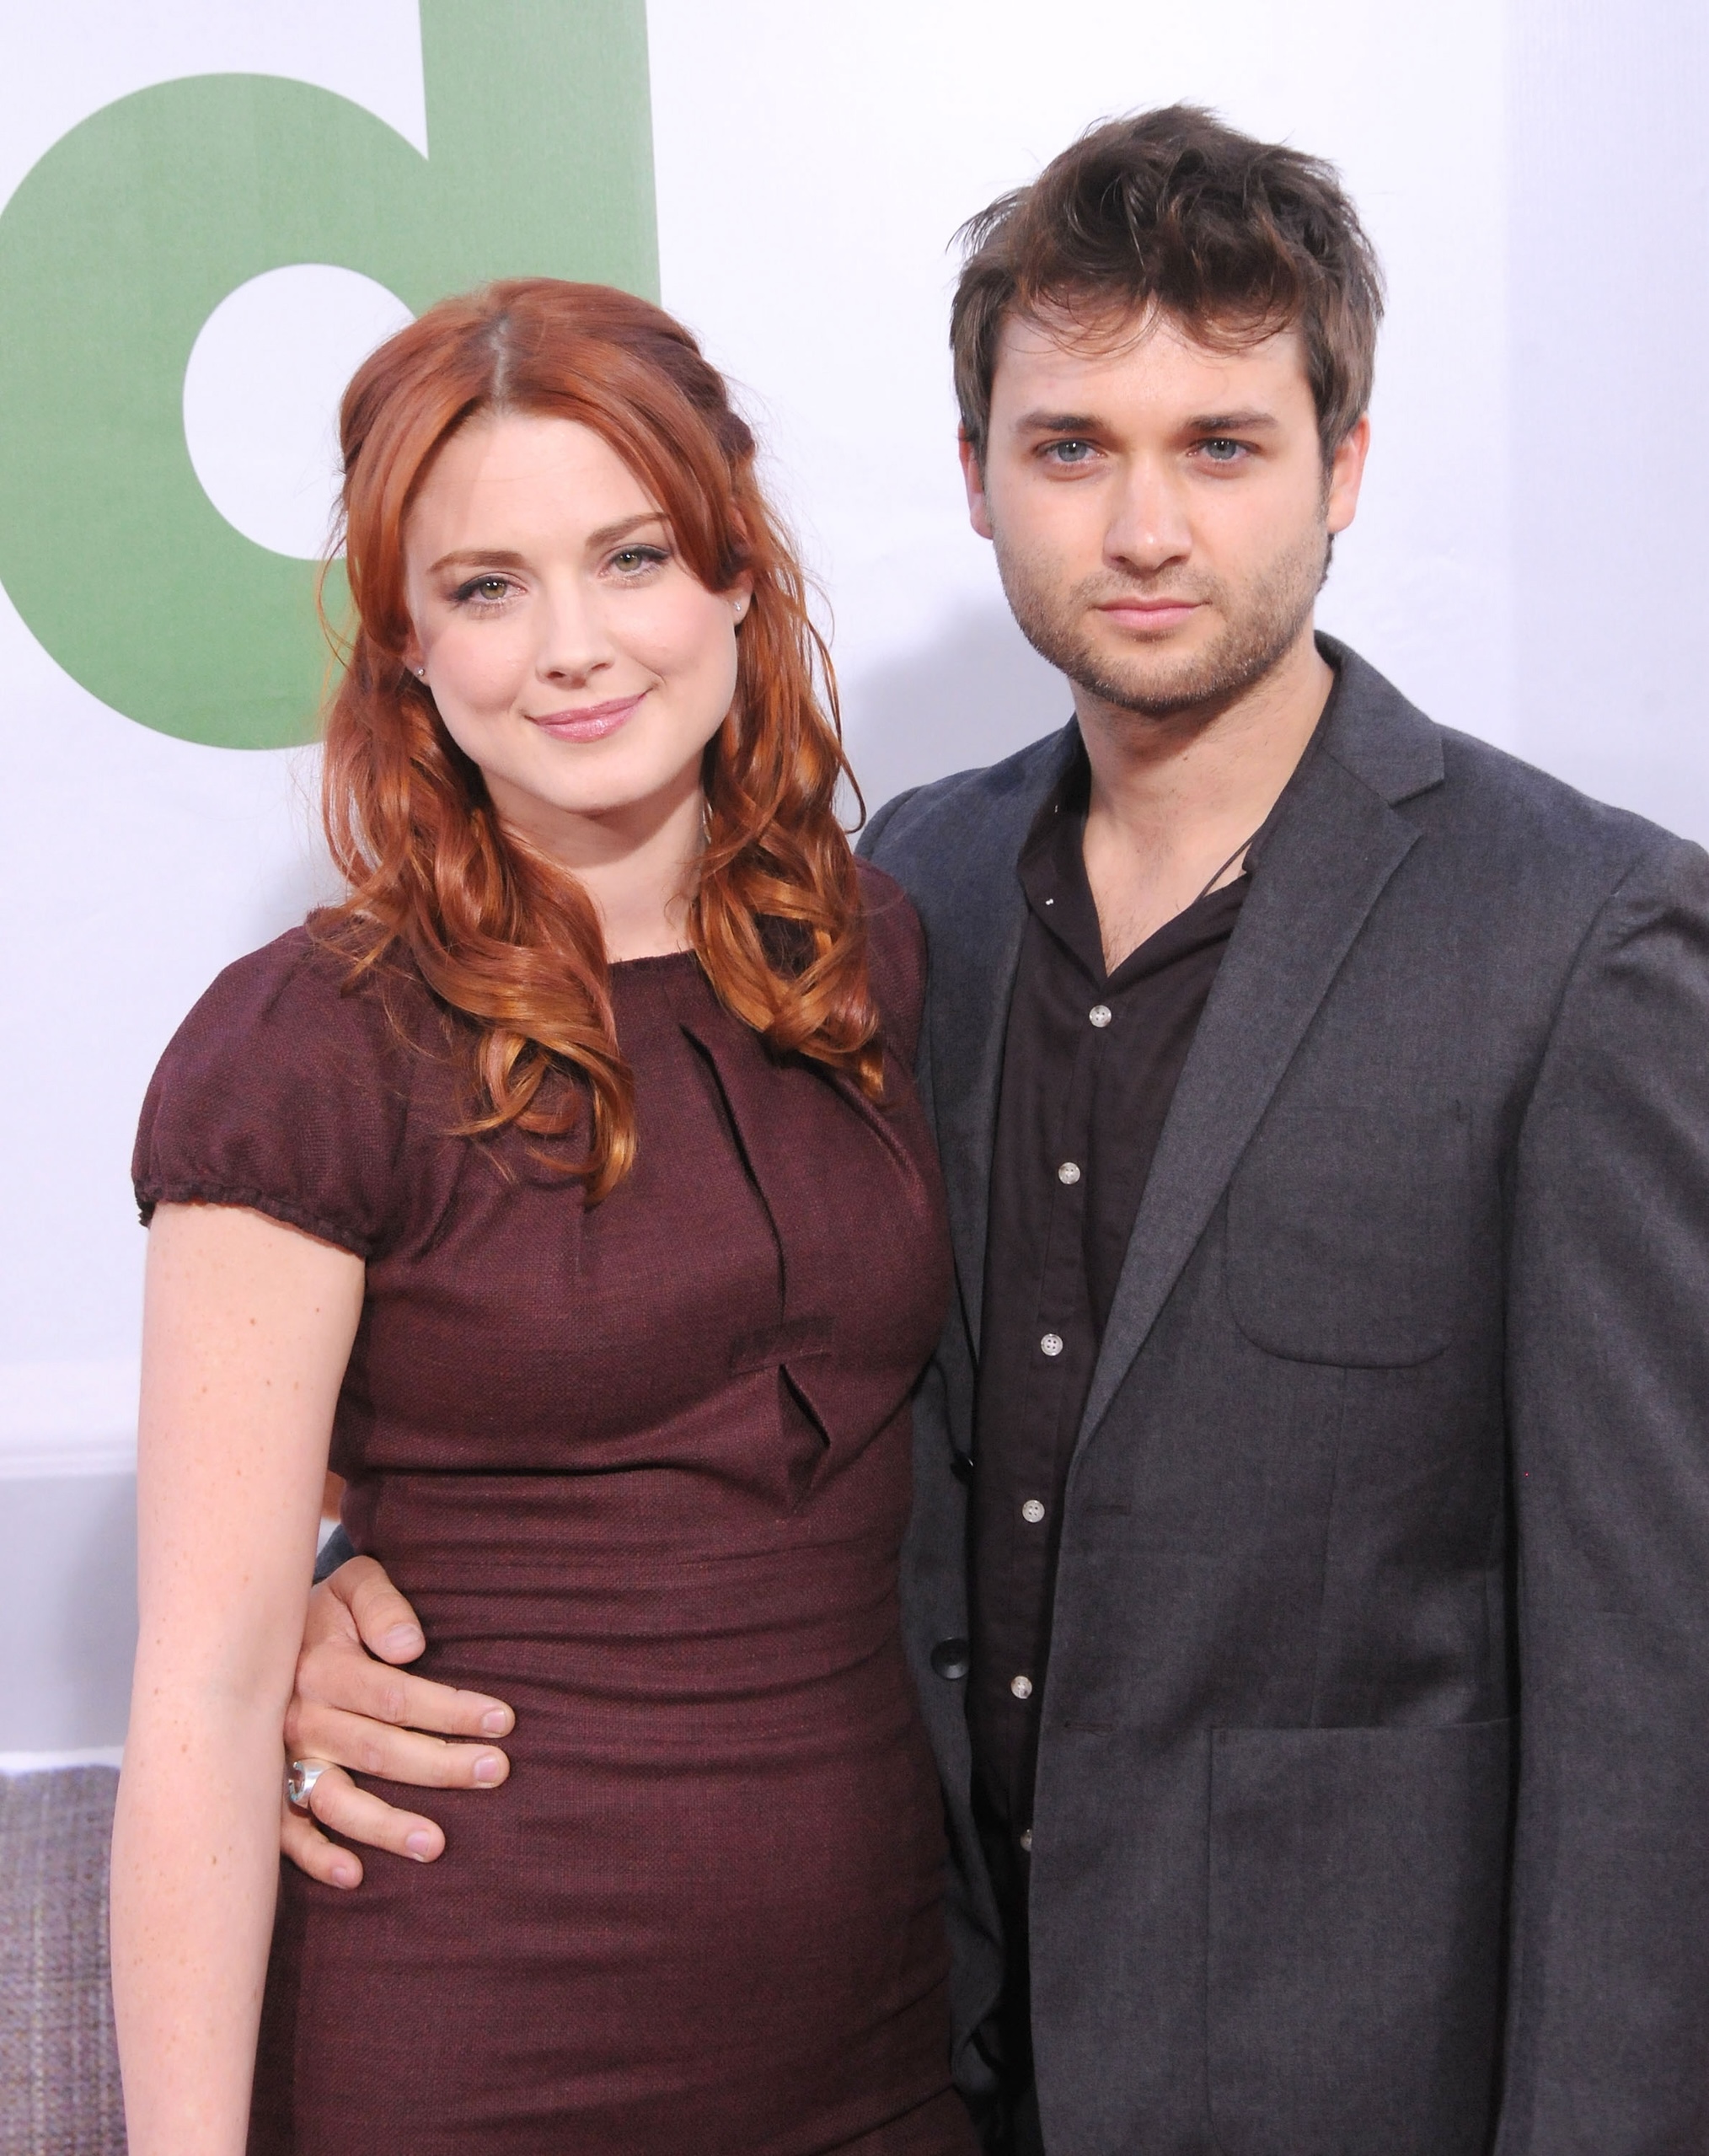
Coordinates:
(568, 1183)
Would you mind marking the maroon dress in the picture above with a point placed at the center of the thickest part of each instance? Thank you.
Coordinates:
(643, 1469)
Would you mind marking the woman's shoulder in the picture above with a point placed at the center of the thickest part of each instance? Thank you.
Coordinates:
(319, 1002)
(286, 1089)
(896, 956)
(311, 977)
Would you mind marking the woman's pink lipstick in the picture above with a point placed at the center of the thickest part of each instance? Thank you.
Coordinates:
(588, 722)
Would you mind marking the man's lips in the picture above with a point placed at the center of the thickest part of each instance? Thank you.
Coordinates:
(585, 721)
(1149, 614)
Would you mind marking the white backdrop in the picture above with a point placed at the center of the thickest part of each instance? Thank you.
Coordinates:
(1527, 562)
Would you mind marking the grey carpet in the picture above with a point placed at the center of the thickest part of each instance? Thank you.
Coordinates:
(59, 2070)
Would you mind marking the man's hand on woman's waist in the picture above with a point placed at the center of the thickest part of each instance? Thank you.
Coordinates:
(354, 1708)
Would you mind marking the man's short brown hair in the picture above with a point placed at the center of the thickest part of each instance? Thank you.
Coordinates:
(1171, 211)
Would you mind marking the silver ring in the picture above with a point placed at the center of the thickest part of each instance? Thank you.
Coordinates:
(300, 1779)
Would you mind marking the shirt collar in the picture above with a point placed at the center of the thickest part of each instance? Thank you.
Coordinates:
(1052, 867)
(1052, 871)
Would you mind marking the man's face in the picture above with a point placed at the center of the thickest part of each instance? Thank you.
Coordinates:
(1160, 510)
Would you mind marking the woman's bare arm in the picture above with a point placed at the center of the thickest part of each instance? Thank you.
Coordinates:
(247, 1329)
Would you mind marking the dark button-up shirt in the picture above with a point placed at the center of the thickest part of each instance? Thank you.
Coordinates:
(1089, 1066)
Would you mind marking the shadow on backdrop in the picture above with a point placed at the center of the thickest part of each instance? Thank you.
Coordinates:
(67, 1611)
(974, 694)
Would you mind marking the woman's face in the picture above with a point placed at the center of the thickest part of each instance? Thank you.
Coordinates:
(572, 652)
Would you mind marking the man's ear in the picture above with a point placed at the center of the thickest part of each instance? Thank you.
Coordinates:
(973, 478)
(1347, 469)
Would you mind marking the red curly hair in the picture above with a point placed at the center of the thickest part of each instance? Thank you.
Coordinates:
(501, 934)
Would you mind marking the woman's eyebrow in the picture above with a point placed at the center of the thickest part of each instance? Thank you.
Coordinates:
(607, 534)
(470, 557)
(500, 557)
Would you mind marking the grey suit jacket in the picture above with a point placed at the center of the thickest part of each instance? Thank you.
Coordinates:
(1373, 1805)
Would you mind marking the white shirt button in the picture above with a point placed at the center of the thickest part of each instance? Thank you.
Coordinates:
(1069, 1172)
(1021, 1687)
(1099, 1013)
(1052, 1343)
(1026, 1839)
(1032, 1512)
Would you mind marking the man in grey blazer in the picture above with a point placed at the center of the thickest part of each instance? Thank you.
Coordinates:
(1309, 1585)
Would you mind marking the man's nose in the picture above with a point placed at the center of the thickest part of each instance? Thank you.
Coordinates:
(1149, 528)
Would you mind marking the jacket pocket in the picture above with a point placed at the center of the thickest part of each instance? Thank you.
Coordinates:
(1347, 1231)
(1358, 1889)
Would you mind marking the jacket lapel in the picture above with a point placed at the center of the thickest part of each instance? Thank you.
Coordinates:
(975, 916)
(1325, 863)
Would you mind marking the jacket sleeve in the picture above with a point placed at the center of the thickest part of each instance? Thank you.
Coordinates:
(1608, 1393)
(872, 837)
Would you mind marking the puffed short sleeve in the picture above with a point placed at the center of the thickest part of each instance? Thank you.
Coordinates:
(285, 1090)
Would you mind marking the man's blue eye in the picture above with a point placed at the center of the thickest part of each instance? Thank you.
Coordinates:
(1221, 452)
(1072, 453)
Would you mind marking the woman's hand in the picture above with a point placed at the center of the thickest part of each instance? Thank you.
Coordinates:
(351, 1707)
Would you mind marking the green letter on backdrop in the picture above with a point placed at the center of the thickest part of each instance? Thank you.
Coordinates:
(130, 232)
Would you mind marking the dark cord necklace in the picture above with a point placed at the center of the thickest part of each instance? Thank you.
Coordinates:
(1226, 867)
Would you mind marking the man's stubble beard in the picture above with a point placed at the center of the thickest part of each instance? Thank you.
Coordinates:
(1261, 623)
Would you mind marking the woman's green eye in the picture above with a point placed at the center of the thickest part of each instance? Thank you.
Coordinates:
(637, 557)
(488, 590)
